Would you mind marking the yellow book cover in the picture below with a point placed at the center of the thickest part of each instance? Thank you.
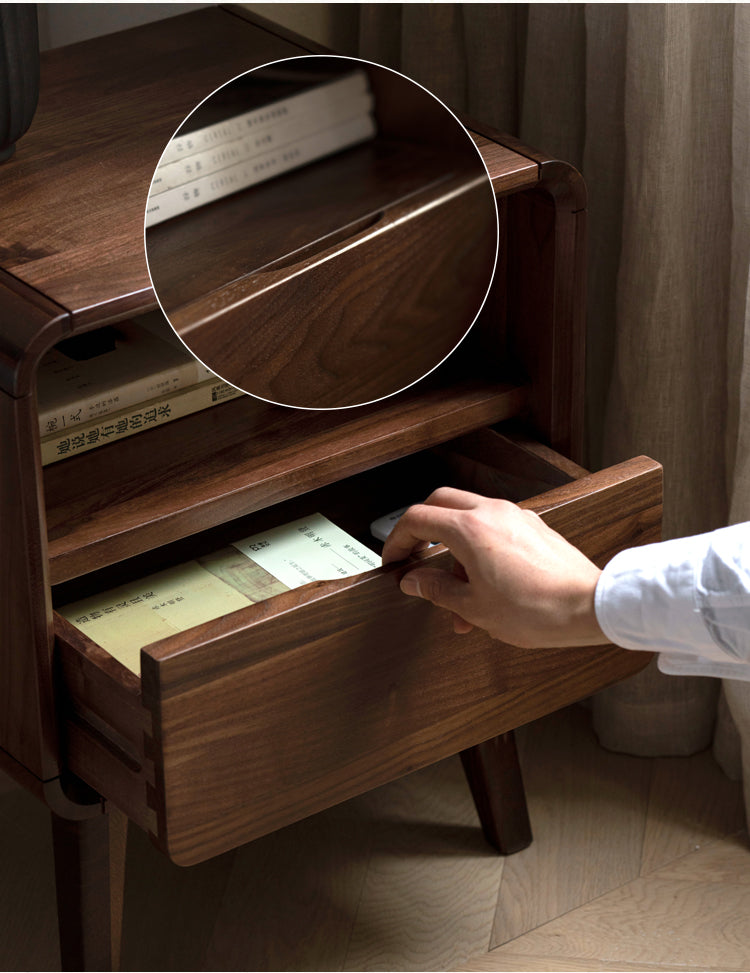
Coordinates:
(126, 618)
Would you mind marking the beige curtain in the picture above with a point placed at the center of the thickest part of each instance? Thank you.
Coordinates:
(652, 102)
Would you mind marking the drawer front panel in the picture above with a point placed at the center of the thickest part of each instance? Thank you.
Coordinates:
(278, 711)
(360, 319)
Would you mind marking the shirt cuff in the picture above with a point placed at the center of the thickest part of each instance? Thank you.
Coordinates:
(646, 599)
(693, 665)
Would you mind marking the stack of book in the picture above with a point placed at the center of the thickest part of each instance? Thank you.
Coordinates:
(253, 569)
(248, 148)
(121, 380)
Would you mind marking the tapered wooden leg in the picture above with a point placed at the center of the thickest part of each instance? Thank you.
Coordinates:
(81, 851)
(118, 845)
(494, 776)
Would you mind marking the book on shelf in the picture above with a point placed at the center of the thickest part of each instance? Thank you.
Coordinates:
(217, 161)
(79, 438)
(258, 169)
(277, 107)
(97, 374)
(124, 619)
(258, 143)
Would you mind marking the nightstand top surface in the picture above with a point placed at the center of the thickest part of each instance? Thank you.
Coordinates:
(73, 195)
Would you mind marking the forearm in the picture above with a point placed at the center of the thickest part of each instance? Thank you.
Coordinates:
(524, 584)
(688, 599)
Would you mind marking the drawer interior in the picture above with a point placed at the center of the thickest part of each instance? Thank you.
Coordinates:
(263, 716)
(485, 461)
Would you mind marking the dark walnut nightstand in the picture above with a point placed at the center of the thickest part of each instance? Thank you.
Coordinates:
(243, 725)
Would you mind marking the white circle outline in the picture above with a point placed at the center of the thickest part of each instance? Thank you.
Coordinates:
(356, 405)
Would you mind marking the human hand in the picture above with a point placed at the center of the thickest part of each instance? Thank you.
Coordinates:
(513, 576)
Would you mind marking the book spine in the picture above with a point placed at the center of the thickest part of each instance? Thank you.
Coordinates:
(260, 118)
(156, 412)
(243, 149)
(122, 396)
(199, 192)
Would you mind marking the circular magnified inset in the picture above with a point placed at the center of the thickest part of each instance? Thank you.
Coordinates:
(321, 232)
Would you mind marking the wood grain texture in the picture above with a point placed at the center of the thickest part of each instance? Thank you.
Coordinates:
(72, 201)
(426, 852)
(508, 170)
(241, 456)
(72, 232)
(653, 920)
(547, 283)
(603, 819)
(317, 868)
(30, 324)
(170, 912)
(236, 699)
(496, 784)
(585, 843)
(105, 724)
(506, 463)
(16, 776)
(582, 508)
(500, 960)
(359, 319)
(118, 846)
(27, 720)
(546, 275)
(82, 879)
(705, 813)
(73, 219)
(210, 247)
(372, 265)
(399, 875)
(721, 861)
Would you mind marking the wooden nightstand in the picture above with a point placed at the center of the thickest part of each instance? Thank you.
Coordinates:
(243, 725)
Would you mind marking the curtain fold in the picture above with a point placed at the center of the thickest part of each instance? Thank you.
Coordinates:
(652, 103)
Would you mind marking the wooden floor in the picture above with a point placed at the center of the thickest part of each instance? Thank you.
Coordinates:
(637, 864)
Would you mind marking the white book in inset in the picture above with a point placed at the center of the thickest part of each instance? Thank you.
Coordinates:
(141, 365)
(304, 103)
(207, 189)
(257, 143)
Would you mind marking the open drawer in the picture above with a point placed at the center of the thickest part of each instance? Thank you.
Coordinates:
(245, 724)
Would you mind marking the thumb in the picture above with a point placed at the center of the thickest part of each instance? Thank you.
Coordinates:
(441, 588)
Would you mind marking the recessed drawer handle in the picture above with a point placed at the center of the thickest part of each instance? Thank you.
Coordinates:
(407, 207)
(324, 243)
(235, 292)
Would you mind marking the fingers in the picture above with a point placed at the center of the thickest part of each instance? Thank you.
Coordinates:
(453, 498)
(442, 589)
(419, 525)
(461, 626)
(430, 521)
(439, 587)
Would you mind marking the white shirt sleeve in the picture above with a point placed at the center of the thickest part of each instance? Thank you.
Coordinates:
(687, 599)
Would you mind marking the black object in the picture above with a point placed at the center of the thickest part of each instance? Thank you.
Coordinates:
(83, 347)
(19, 73)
